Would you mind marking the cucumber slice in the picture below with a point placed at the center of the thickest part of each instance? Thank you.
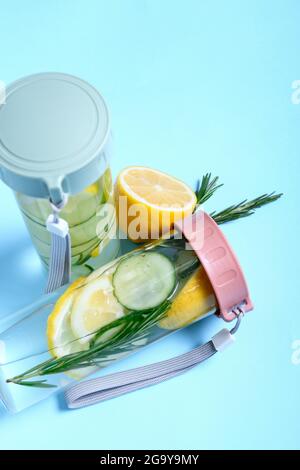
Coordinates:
(144, 281)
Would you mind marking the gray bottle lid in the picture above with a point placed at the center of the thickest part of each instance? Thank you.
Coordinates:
(54, 133)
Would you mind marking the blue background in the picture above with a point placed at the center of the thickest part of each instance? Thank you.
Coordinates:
(193, 86)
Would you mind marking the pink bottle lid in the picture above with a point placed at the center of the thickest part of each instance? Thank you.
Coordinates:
(219, 261)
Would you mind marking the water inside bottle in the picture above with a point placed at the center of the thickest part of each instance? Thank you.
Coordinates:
(90, 215)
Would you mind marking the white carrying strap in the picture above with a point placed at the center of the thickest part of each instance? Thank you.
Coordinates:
(60, 255)
(104, 388)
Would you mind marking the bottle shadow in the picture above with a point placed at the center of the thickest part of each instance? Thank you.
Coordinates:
(22, 276)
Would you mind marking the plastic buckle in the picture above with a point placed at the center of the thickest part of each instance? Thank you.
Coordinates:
(223, 339)
(57, 226)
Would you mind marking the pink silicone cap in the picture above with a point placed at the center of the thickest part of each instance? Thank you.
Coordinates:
(219, 262)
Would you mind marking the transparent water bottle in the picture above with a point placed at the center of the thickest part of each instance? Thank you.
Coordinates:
(55, 146)
(118, 309)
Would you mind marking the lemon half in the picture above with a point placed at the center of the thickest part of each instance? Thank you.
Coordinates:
(150, 201)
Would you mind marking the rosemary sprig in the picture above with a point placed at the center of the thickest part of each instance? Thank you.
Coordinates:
(244, 208)
(206, 188)
(129, 328)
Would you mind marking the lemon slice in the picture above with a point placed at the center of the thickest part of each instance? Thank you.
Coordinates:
(154, 201)
(195, 300)
(93, 189)
(107, 184)
(94, 306)
(61, 340)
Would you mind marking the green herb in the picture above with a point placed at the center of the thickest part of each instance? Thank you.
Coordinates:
(244, 208)
(206, 188)
(129, 328)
